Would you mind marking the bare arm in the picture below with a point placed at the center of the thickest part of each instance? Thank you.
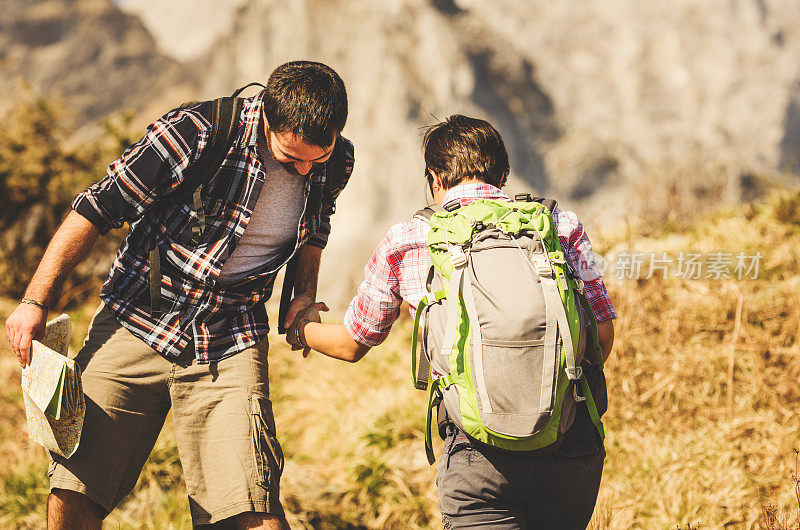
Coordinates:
(332, 340)
(70, 244)
(605, 334)
(305, 284)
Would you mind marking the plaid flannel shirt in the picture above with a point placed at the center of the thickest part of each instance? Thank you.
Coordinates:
(219, 320)
(399, 267)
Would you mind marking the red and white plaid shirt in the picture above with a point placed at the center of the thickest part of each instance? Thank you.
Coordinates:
(399, 267)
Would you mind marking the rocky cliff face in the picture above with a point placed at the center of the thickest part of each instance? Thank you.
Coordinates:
(98, 59)
(599, 102)
(603, 105)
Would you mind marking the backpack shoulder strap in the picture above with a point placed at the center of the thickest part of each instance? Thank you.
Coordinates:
(334, 167)
(224, 125)
(550, 204)
(426, 213)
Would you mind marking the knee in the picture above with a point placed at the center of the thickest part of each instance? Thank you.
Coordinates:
(70, 509)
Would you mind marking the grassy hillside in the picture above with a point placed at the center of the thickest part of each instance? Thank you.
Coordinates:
(703, 417)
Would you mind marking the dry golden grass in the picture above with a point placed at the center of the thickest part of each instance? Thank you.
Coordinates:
(679, 451)
(687, 448)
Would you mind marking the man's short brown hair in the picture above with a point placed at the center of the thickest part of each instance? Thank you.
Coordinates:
(307, 99)
(462, 148)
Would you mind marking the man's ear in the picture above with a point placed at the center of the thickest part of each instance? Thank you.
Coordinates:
(437, 182)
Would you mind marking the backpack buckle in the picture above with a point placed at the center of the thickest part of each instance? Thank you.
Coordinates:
(457, 256)
(542, 266)
(577, 397)
(579, 285)
(578, 376)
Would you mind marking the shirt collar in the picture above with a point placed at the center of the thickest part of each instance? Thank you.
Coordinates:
(471, 191)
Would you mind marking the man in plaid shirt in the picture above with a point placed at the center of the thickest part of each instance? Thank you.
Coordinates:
(478, 487)
(205, 354)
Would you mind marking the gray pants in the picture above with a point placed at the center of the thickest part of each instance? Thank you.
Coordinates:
(480, 487)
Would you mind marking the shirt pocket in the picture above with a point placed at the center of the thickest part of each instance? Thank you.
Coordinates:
(179, 225)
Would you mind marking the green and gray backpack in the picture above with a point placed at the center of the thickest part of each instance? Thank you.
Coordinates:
(503, 337)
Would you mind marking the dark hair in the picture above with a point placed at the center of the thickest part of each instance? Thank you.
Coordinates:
(462, 148)
(307, 99)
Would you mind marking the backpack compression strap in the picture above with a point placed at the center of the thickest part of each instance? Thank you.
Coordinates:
(224, 126)
(420, 364)
(594, 343)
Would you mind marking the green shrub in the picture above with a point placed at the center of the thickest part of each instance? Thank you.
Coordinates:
(41, 170)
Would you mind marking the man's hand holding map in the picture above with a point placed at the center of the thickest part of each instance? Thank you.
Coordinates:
(51, 387)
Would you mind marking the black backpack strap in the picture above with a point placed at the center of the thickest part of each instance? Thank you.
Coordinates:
(239, 91)
(550, 204)
(426, 213)
(335, 175)
(289, 276)
(224, 128)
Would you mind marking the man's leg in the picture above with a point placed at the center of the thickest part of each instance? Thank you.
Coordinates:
(260, 521)
(70, 510)
(226, 438)
(127, 401)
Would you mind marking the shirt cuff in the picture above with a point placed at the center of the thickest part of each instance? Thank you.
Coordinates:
(317, 240)
(606, 313)
(83, 205)
(359, 332)
(599, 301)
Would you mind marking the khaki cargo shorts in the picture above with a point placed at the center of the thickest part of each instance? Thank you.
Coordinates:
(224, 425)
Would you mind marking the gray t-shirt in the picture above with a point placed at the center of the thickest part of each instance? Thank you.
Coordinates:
(271, 234)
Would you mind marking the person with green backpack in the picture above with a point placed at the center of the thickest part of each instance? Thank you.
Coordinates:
(516, 324)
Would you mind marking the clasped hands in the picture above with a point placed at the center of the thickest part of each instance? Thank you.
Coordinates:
(302, 311)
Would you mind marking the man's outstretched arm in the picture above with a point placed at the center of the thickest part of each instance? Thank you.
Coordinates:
(70, 244)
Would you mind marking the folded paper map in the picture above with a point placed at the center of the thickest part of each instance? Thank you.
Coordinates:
(51, 387)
